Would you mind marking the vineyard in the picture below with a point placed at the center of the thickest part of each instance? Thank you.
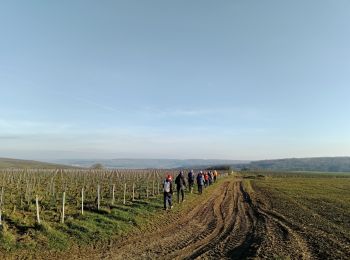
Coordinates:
(52, 206)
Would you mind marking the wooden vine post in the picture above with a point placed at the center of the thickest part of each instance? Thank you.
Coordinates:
(147, 195)
(98, 197)
(37, 209)
(113, 196)
(1, 203)
(124, 201)
(82, 201)
(63, 204)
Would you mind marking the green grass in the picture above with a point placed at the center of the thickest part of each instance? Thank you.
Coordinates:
(7, 239)
(92, 227)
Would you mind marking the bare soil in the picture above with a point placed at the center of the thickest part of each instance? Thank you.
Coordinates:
(229, 224)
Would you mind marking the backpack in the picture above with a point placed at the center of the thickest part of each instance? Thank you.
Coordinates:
(167, 186)
(177, 180)
(200, 180)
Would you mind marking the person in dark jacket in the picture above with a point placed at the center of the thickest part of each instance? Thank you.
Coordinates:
(211, 177)
(180, 186)
(190, 178)
(200, 182)
(168, 192)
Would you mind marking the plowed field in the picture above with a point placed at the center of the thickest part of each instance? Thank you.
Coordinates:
(228, 225)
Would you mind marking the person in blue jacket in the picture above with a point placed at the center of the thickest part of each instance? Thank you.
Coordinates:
(200, 182)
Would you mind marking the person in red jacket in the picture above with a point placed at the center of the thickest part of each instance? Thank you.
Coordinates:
(206, 179)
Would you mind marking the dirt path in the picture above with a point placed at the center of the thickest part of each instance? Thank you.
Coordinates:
(228, 225)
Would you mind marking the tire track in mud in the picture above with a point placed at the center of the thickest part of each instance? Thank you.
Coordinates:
(186, 234)
(228, 225)
(282, 238)
(236, 233)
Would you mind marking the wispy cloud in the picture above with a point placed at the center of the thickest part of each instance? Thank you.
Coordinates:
(16, 127)
(96, 104)
(212, 110)
(10, 137)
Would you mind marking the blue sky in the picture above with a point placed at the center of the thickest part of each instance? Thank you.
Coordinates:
(174, 79)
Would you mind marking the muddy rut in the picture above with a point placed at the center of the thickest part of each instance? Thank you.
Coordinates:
(228, 225)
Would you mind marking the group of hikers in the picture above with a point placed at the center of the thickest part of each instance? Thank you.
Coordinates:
(203, 179)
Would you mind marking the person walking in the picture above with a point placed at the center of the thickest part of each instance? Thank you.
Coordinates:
(215, 175)
(190, 178)
(168, 192)
(180, 186)
(200, 182)
(206, 179)
(211, 177)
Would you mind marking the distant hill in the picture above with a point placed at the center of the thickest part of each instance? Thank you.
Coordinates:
(22, 164)
(322, 164)
(150, 163)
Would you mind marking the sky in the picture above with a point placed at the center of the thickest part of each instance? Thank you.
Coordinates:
(239, 79)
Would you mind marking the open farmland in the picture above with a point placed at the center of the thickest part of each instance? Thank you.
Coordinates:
(300, 217)
(274, 215)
